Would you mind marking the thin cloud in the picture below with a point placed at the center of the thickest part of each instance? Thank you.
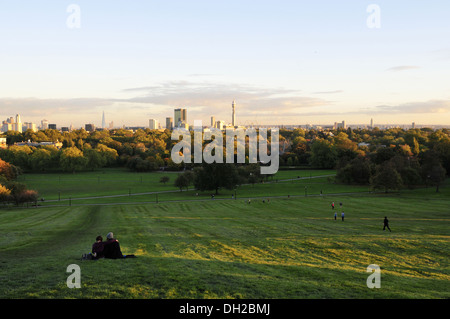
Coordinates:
(403, 68)
(216, 96)
(329, 92)
(431, 106)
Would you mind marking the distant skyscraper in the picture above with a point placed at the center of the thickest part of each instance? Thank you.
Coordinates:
(153, 124)
(233, 119)
(103, 120)
(413, 125)
(169, 123)
(213, 121)
(44, 124)
(180, 116)
(18, 127)
(371, 123)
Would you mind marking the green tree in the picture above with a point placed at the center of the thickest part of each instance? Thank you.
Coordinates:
(94, 159)
(215, 176)
(358, 171)
(109, 155)
(164, 179)
(40, 159)
(182, 181)
(323, 154)
(432, 170)
(386, 177)
(72, 160)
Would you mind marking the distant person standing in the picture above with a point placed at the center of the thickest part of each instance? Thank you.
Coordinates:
(332, 205)
(335, 215)
(342, 216)
(386, 224)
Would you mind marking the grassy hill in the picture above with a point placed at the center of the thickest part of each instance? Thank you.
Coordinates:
(196, 247)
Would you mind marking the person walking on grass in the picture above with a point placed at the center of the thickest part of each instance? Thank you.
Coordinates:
(386, 224)
(335, 215)
(342, 215)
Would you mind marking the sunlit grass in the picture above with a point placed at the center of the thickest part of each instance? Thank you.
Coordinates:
(288, 248)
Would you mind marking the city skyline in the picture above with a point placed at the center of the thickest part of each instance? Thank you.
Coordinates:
(284, 62)
(15, 124)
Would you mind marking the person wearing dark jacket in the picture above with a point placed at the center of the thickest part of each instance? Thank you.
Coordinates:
(386, 224)
(112, 247)
(98, 247)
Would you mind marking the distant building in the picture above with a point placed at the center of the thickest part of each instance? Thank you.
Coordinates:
(220, 125)
(18, 124)
(169, 123)
(56, 144)
(89, 127)
(340, 125)
(233, 118)
(213, 122)
(7, 126)
(30, 126)
(52, 126)
(153, 124)
(180, 117)
(44, 124)
(103, 121)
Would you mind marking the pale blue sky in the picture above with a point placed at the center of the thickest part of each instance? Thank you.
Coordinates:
(285, 62)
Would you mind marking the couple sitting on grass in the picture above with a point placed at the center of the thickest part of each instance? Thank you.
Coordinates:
(107, 249)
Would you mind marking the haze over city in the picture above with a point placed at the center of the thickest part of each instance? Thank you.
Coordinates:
(284, 62)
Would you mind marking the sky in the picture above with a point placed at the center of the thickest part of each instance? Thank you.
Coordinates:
(283, 62)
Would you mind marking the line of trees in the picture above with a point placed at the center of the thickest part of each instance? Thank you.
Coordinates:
(419, 156)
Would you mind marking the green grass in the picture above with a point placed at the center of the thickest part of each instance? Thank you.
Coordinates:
(122, 186)
(288, 248)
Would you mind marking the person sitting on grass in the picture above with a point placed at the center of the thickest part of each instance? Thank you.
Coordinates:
(112, 248)
(98, 247)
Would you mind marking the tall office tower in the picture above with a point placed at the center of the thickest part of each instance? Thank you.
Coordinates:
(169, 123)
(233, 119)
(371, 123)
(44, 124)
(153, 124)
(413, 125)
(103, 120)
(213, 122)
(180, 116)
(18, 127)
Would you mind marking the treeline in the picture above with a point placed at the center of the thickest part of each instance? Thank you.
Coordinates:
(418, 156)
(140, 151)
